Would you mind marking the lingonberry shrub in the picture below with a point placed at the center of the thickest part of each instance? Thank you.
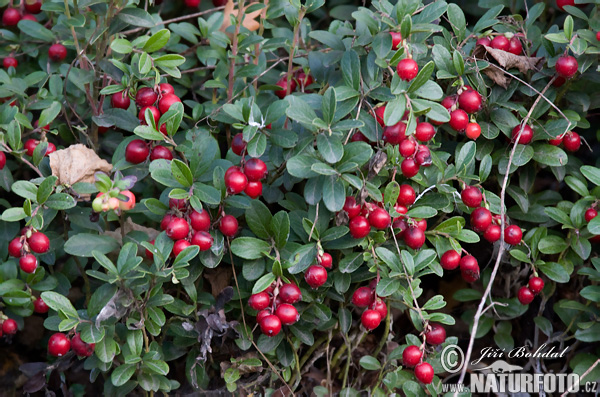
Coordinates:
(194, 201)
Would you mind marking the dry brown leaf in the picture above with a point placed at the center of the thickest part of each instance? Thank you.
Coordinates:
(77, 163)
(507, 61)
(129, 227)
(249, 21)
(218, 279)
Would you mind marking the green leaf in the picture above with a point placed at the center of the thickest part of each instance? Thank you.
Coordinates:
(568, 27)
(59, 303)
(49, 114)
(120, 46)
(136, 17)
(351, 69)
(329, 105)
(334, 194)
(370, 363)
(83, 244)
(552, 245)
(554, 272)
(329, 39)
(25, 189)
(145, 63)
(394, 110)
(263, 283)
(37, 31)
(457, 20)
(60, 201)
(422, 77)
(182, 173)
(591, 173)
(465, 157)
(122, 374)
(330, 147)
(157, 41)
(258, 218)
(547, 154)
(298, 110)
(45, 189)
(280, 227)
(249, 247)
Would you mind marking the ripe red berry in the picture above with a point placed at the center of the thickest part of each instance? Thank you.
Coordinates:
(536, 285)
(165, 102)
(259, 301)
(270, 325)
(526, 135)
(9, 327)
(58, 345)
(484, 41)
(449, 101)
(590, 214)
(179, 204)
(203, 240)
(481, 219)
(303, 80)
(238, 145)
(29, 17)
(513, 235)
(81, 348)
(351, 207)
(325, 260)
(450, 260)
(422, 224)
(470, 101)
(11, 17)
(424, 373)
(424, 132)
(500, 43)
(407, 69)
(39, 306)
(556, 141)
(572, 141)
(469, 267)
(598, 36)
(287, 313)
(255, 169)
(379, 219)
(39, 243)
(471, 196)
(283, 84)
(177, 229)
(566, 66)
(515, 46)
(179, 246)
(525, 296)
(137, 151)
(359, 137)
(33, 6)
(28, 263)
(492, 233)
(315, 276)
(394, 134)
(370, 319)
(290, 293)
(200, 221)
(228, 226)
(396, 40)
(459, 120)
(2, 160)
(165, 89)
(473, 131)
(407, 195)
(120, 100)
(379, 111)
(407, 148)
(379, 306)
(254, 189)
(10, 62)
(362, 297)
(160, 152)
(436, 335)
(235, 182)
(155, 114)
(562, 3)
(359, 227)
(15, 247)
(262, 314)
(192, 3)
(414, 237)
(411, 356)
(145, 97)
(409, 167)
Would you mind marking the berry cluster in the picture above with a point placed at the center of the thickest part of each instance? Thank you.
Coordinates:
(316, 275)
(508, 42)
(527, 293)
(299, 80)
(412, 355)
(275, 306)
(22, 246)
(466, 101)
(570, 140)
(246, 177)
(376, 309)
(59, 344)
(469, 267)
(111, 202)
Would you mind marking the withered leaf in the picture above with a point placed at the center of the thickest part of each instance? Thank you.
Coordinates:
(507, 61)
(249, 21)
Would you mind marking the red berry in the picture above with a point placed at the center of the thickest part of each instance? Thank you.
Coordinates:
(526, 135)
(10, 62)
(137, 151)
(39, 306)
(155, 114)
(409, 167)
(287, 314)
(303, 80)
(396, 40)
(407, 195)
(359, 227)
(177, 229)
(10, 327)
(492, 233)
(145, 97)
(370, 319)
(450, 260)
(407, 69)
(33, 6)
(179, 246)
(513, 235)
(562, 3)
(481, 219)
(379, 111)
(160, 152)
(380, 219)
(470, 101)
(283, 84)
(58, 345)
(469, 267)
(165, 89)
(380, 306)
(39, 243)
(362, 297)
(436, 335)
(484, 41)
(15, 247)
(29, 17)
(2, 160)
(130, 203)
(238, 145)
(566, 66)
(200, 221)
(228, 226)
(407, 148)
(255, 169)
(423, 156)
(394, 134)
(164, 223)
(525, 296)
(28, 263)
(120, 100)
(449, 101)
(11, 17)
(81, 348)
(259, 301)
(192, 3)
(359, 137)
(590, 214)
(315, 276)
(424, 132)
(351, 207)
(556, 141)
(411, 356)
(459, 120)
(254, 189)
(572, 141)
(262, 314)
(270, 325)
(422, 224)
(471, 196)
(235, 182)
(414, 237)
(424, 373)
(325, 260)
(515, 46)
(165, 102)
(203, 240)
(473, 131)
(598, 36)
(536, 285)
(500, 43)
(290, 293)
